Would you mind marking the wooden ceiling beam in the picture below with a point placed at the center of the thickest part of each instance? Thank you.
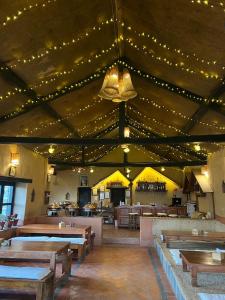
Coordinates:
(130, 164)
(163, 84)
(12, 77)
(122, 118)
(203, 109)
(150, 150)
(219, 138)
(150, 133)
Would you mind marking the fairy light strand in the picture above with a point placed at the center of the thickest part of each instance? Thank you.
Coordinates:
(22, 11)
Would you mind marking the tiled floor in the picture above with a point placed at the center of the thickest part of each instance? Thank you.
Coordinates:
(115, 272)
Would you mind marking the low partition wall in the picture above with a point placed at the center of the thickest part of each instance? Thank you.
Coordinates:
(94, 222)
(152, 227)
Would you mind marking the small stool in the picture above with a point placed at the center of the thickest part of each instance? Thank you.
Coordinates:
(133, 220)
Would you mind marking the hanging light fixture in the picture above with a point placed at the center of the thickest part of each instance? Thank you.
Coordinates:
(126, 132)
(51, 149)
(117, 86)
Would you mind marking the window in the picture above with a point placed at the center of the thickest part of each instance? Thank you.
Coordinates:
(7, 192)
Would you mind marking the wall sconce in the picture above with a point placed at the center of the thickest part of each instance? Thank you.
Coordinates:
(51, 170)
(15, 159)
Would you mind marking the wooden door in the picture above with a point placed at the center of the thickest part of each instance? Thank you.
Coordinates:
(117, 195)
(84, 196)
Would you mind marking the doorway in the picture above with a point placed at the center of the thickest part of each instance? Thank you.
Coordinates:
(84, 196)
(117, 195)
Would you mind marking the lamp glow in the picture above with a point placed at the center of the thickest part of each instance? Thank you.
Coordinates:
(15, 159)
(116, 86)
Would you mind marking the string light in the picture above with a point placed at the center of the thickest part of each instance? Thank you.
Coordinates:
(179, 114)
(210, 4)
(181, 65)
(162, 169)
(165, 46)
(98, 74)
(58, 74)
(17, 15)
(52, 47)
(68, 116)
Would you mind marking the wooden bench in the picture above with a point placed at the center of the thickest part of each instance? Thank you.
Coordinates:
(32, 279)
(78, 244)
(198, 261)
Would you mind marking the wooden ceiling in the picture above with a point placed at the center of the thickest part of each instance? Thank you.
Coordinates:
(54, 55)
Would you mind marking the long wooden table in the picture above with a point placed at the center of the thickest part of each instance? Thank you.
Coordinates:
(198, 261)
(50, 251)
(53, 229)
(169, 235)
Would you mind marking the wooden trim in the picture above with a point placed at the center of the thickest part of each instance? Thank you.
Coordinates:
(15, 179)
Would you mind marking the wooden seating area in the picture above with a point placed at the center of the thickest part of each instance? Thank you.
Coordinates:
(197, 261)
(55, 246)
(37, 280)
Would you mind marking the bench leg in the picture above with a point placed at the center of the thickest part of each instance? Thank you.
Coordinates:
(194, 277)
(66, 264)
(184, 266)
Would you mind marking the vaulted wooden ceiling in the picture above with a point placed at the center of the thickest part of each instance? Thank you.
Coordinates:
(54, 55)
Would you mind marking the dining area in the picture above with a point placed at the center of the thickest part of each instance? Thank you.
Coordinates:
(39, 258)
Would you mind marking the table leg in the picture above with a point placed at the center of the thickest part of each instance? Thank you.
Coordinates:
(53, 263)
(184, 266)
(66, 263)
(194, 276)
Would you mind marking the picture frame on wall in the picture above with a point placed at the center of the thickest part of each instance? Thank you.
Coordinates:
(83, 180)
(101, 196)
(12, 171)
(107, 195)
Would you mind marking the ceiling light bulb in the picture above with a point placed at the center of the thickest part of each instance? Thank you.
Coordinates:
(126, 150)
(128, 170)
(91, 170)
(79, 170)
(197, 147)
(51, 149)
(163, 169)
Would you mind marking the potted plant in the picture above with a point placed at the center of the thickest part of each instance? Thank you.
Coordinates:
(12, 220)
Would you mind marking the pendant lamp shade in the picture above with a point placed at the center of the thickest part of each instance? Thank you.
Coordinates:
(117, 87)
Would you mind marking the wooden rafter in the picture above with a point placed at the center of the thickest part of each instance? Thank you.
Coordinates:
(132, 164)
(13, 78)
(203, 109)
(153, 134)
(219, 138)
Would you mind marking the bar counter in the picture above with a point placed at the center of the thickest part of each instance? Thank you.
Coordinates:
(122, 212)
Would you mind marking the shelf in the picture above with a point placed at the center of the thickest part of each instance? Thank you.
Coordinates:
(148, 186)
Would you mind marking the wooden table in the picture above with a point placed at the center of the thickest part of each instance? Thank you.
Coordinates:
(198, 261)
(169, 235)
(53, 229)
(50, 251)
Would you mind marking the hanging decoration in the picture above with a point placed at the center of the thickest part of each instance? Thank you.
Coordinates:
(117, 86)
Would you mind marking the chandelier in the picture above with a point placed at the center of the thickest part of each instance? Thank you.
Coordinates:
(117, 86)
